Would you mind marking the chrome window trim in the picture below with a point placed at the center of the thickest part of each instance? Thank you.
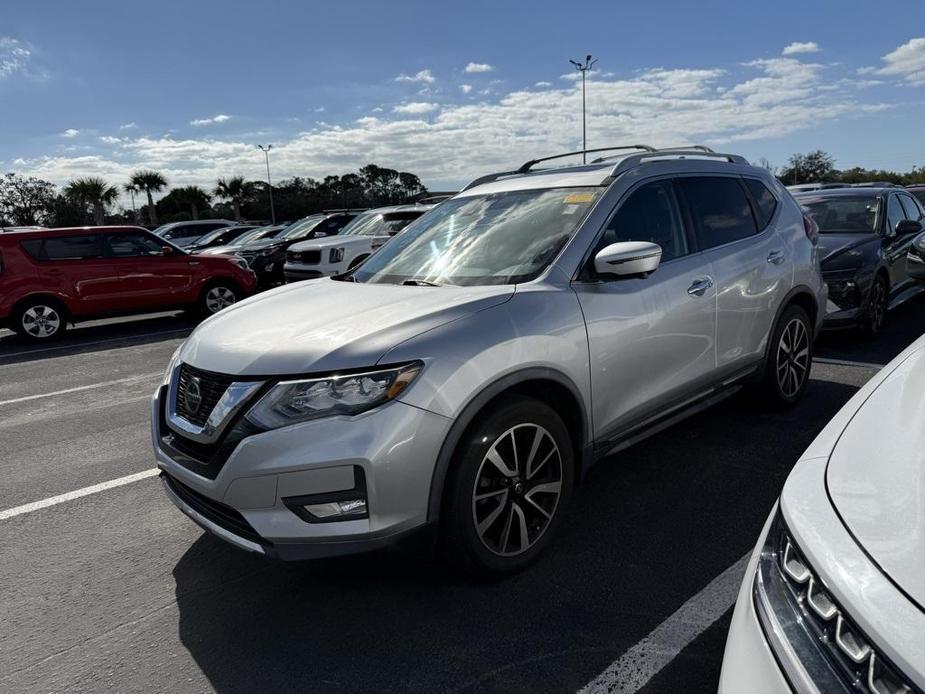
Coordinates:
(232, 400)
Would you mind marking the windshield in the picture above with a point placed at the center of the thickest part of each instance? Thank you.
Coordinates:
(303, 227)
(844, 214)
(212, 235)
(258, 233)
(501, 238)
(380, 224)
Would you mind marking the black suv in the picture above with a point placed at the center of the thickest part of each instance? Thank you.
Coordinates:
(865, 235)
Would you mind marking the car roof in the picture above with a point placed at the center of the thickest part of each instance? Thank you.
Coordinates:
(603, 170)
(858, 192)
(399, 208)
(67, 231)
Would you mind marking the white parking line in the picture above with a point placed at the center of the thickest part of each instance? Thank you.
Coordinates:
(631, 671)
(128, 379)
(76, 494)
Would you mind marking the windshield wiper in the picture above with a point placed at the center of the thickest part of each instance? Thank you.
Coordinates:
(419, 283)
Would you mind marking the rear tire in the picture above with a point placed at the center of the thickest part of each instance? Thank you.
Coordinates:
(39, 320)
(790, 359)
(508, 489)
(217, 296)
(871, 324)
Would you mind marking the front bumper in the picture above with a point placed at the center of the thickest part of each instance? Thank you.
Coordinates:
(915, 264)
(395, 448)
(296, 273)
(845, 302)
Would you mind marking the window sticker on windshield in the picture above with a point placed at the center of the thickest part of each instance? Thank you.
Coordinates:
(578, 197)
(570, 209)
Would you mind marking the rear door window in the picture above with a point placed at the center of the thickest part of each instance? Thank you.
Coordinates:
(80, 247)
(720, 210)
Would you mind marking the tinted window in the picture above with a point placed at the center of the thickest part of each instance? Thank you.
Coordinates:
(894, 212)
(63, 248)
(920, 194)
(132, 245)
(843, 214)
(650, 215)
(186, 231)
(912, 210)
(765, 202)
(720, 209)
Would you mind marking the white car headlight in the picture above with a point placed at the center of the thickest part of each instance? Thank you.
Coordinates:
(337, 255)
(290, 402)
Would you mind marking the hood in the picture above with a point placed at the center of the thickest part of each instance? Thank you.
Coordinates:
(334, 242)
(876, 476)
(837, 245)
(327, 325)
(260, 244)
(230, 249)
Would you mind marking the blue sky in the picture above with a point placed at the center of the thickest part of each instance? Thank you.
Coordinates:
(102, 88)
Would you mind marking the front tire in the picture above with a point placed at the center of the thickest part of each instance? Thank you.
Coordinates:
(218, 296)
(790, 358)
(511, 482)
(871, 325)
(39, 320)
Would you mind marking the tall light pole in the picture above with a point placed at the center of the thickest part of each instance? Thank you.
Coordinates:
(266, 153)
(583, 69)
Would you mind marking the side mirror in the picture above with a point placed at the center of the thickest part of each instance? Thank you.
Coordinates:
(320, 234)
(907, 227)
(628, 259)
(166, 250)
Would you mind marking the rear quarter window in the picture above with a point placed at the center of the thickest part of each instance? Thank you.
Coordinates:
(63, 248)
(765, 202)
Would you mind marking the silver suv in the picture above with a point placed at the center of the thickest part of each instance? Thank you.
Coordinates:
(458, 384)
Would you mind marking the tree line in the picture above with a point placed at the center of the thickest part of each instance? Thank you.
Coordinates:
(28, 201)
(819, 167)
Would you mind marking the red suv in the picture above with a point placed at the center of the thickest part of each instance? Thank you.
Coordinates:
(59, 276)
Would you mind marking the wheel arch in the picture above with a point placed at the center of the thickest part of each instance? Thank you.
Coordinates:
(546, 385)
(51, 297)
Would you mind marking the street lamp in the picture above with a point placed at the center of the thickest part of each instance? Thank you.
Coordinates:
(583, 69)
(266, 153)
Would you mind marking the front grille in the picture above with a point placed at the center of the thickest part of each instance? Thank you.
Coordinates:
(217, 512)
(198, 392)
(307, 257)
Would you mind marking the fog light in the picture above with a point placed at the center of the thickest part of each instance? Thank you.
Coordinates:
(339, 509)
(269, 267)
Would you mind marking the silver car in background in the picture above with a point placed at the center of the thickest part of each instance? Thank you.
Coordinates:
(834, 595)
(458, 384)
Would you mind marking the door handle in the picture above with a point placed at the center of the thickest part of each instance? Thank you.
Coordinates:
(776, 257)
(700, 286)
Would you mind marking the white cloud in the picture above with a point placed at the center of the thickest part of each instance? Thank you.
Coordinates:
(110, 140)
(801, 47)
(543, 84)
(70, 132)
(416, 107)
(14, 56)
(479, 67)
(907, 61)
(319, 109)
(220, 118)
(465, 88)
(420, 76)
(452, 143)
(128, 126)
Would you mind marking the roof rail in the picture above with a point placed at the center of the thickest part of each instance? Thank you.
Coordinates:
(692, 148)
(488, 178)
(697, 151)
(526, 166)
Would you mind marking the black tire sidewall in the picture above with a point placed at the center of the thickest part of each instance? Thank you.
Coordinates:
(460, 541)
(772, 385)
(866, 326)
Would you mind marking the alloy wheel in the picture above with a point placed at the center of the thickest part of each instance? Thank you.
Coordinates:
(218, 298)
(41, 321)
(793, 358)
(517, 490)
(877, 306)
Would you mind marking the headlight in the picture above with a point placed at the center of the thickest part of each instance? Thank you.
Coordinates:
(266, 251)
(337, 255)
(290, 402)
(172, 364)
(241, 263)
(920, 242)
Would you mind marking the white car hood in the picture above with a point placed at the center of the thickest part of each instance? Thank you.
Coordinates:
(327, 325)
(876, 476)
(333, 242)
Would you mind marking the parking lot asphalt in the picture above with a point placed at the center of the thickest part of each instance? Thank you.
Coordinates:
(118, 590)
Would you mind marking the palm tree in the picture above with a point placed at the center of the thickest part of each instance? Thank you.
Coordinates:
(234, 189)
(194, 196)
(150, 182)
(95, 192)
(131, 189)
